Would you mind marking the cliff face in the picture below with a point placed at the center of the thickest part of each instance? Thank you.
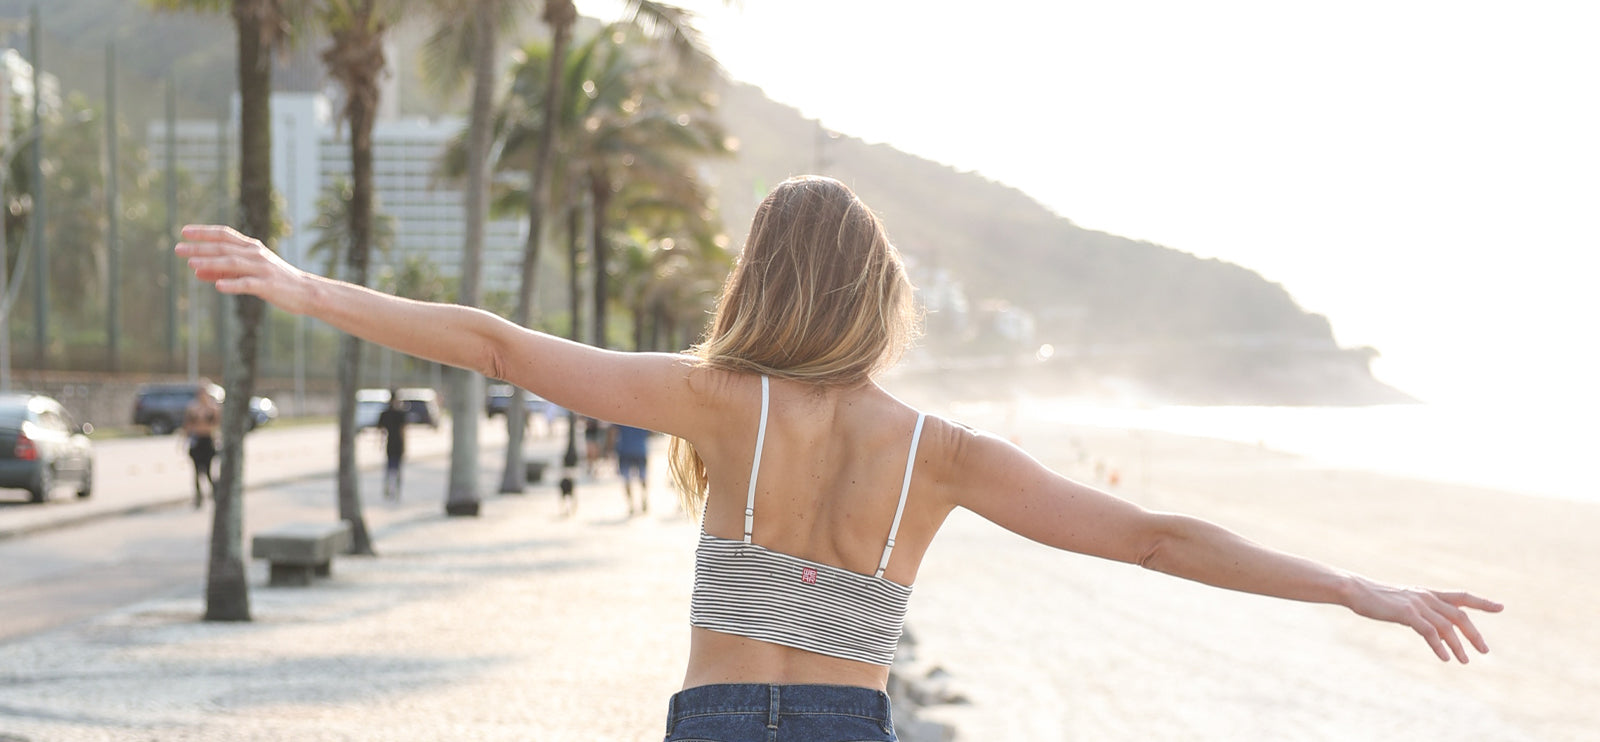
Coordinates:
(988, 260)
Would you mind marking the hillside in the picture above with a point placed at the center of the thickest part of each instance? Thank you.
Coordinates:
(1121, 313)
(1146, 317)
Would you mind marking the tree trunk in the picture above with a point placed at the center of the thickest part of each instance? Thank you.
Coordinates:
(466, 387)
(569, 461)
(514, 479)
(362, 110)
(600, 191)
(227, 587)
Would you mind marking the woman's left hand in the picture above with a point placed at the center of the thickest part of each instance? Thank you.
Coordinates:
(1437, 616)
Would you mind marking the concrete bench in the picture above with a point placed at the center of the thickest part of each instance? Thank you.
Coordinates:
(298, 551)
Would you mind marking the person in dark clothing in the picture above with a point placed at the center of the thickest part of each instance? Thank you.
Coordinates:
(594, 444)
(392, 421)
(200, 422)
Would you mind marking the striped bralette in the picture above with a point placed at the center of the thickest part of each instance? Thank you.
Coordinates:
(745, 589)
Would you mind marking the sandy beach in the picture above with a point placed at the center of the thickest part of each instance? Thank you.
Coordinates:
(1063, 647)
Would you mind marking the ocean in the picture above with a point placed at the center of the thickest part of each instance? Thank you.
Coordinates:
(1541, 450)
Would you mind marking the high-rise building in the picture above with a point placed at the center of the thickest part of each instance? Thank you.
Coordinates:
(310, 155)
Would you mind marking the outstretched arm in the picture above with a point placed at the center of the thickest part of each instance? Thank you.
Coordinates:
(645, 389)
(1003, 484)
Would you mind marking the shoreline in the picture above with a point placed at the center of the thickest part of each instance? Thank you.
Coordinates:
(1051, 645)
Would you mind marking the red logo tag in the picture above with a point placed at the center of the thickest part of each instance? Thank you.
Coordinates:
(808, 575)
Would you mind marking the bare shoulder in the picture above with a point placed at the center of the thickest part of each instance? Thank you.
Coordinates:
(710, 384)
(954, 455)
(715, 397)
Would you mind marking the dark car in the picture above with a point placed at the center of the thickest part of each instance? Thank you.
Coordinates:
(41, 447)
(160, 407)
(421, 403)
(498, 399)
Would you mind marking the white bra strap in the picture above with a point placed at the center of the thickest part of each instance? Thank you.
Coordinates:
(755, 466)
(905, 487)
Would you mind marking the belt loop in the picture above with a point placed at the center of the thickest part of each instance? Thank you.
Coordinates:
(672, 713)
(886, 719)
(772, 706)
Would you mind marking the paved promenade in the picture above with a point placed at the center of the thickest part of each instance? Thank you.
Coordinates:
(519, 624)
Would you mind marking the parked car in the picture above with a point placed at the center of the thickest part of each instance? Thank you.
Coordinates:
(498, 400)
(160, 407)
(41, 447)
(422, 406)
(262, 411)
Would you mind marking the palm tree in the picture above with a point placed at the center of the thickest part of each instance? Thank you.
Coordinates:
(536, 112)
(645, 116)
(660, 20)
(355, 59)
(667, 282)
(332, 227)
(264, 27)
(559, 15)
(466, 387)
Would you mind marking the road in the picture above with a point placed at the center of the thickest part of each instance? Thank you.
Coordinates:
(138, 537)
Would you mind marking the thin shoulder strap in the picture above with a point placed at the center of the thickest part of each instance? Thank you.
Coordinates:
(905, 487)
(755, 466)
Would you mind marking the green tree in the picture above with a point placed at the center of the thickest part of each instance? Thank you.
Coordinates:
(559, 16)
(453, 49)
(263, 28)
(74, 159)
(643, 122)
(355, 59)
(333, 228)
(528, 126)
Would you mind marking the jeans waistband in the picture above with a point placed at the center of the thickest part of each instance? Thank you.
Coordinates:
(775, 700)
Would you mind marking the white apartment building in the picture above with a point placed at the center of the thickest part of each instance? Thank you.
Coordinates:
(310, 154)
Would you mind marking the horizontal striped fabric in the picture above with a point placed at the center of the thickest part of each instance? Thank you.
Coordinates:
(754, 592)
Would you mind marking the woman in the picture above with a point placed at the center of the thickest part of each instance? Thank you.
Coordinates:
(820, 492)
(201, 418)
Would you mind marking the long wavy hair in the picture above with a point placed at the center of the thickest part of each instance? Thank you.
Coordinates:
(818, 295)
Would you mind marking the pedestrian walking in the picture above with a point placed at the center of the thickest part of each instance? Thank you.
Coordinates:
(392, 421)
(632, 447)
(594, 445)
(818, 491)
(201, 419)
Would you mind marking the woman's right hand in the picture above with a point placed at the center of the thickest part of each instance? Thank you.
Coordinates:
(238, 264)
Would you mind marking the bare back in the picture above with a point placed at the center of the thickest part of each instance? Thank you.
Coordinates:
(201, 417)
(831, 472)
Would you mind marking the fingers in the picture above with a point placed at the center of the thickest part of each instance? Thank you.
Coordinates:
(211, 241)
(1446, 630)
(1468, 600)
(1441, 622)
(212, 233)
(1455, 601)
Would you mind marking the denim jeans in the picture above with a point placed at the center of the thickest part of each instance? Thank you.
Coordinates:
(751, 712)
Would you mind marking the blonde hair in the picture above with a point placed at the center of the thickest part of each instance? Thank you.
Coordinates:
(818, 295)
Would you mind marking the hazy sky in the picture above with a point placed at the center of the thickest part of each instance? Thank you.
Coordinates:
(1427, 174)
